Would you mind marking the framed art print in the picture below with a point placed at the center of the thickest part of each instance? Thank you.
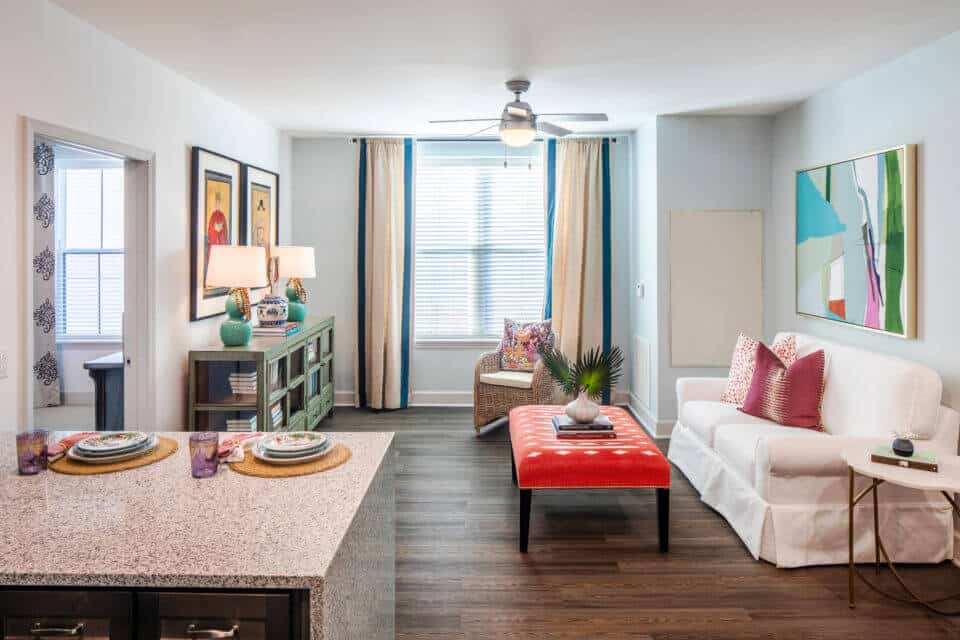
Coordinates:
(856, 227)
(260, 217)
(215, 219)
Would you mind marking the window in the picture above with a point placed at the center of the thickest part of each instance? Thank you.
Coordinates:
(89, 231)
(479, 239)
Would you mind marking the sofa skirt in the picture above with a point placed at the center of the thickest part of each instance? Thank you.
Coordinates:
(915, 526)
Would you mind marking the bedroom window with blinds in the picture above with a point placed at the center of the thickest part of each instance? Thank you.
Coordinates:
(89, 232)
(480, 247)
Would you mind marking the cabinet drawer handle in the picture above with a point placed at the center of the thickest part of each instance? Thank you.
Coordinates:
(194, 632)
(74, 631)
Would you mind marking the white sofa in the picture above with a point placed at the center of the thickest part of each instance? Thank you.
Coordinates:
(784, 490)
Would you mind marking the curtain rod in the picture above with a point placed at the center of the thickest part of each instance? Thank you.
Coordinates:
(355, 140)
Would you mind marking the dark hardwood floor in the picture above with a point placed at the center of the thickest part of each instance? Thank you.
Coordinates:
(593, 570)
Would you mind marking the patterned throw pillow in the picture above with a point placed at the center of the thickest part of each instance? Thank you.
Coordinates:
(789, 396)
(741, 368)
(518, 348)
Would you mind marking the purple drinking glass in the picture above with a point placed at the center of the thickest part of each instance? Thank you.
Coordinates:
(32, 452)
(204, 458)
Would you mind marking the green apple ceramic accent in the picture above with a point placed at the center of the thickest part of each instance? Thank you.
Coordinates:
(235, 330)
(296, 310)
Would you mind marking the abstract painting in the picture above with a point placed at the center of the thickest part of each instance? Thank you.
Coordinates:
(260, 214)
(856, 234)
(215, 205)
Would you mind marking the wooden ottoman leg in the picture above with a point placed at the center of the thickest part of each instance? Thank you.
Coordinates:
(513, 467)
(525, 495)
(663, 518)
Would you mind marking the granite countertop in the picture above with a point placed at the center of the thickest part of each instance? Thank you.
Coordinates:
(156, 526)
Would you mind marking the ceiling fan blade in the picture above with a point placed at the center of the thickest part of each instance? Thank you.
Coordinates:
(520, 112)
(553, 129)
(577, 117)
(476, 133)
(464, 120)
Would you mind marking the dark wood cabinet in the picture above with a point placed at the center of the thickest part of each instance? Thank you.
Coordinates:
(35, 614)
(185, 615)
(146, 614)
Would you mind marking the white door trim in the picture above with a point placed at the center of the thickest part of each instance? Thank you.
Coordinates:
(141, 347)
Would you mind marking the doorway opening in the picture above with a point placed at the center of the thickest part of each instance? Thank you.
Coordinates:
(87, 347)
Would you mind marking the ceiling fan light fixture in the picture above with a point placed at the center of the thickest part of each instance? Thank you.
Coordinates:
(517, 133)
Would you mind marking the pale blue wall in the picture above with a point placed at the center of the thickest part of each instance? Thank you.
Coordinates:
(914, 99)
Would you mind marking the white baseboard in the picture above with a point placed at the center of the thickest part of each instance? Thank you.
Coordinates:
(449, 398)
(77, 398)
(657, 428)
(441, 398)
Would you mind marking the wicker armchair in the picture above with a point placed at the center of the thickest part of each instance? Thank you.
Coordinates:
(492, 401)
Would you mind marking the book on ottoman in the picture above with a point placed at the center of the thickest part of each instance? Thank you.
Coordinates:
(565, 427)
(566, 423)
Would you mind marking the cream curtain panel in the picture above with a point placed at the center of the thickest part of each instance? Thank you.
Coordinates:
(580, 296)
(383, 273)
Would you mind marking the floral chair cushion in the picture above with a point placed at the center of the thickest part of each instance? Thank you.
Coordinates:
(518, 348)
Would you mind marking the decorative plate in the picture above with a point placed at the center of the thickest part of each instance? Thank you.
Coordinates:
(74, 454)
(293, 441)
(265, 456)
(113, 442)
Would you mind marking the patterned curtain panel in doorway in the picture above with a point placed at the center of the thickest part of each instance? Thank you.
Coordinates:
(384, 235)
(46, 371)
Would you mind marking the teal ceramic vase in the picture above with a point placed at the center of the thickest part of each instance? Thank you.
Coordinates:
(235, 330)
(296, 310)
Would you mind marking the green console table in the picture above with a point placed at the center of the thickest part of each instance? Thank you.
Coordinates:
(294, 380)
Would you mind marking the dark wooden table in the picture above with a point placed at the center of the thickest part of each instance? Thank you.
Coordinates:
(107, 374)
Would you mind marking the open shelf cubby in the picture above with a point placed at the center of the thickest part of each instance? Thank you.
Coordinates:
(293, 374)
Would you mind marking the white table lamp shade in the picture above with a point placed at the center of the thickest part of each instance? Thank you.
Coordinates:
(295, 262)
(237, 267)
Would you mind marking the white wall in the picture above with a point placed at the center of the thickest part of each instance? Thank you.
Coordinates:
(324, 215)
(643, 266)
(703, 162)
(915, 99)
(57, 69)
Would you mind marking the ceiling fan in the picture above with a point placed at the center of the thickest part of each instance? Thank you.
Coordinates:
(518, 124)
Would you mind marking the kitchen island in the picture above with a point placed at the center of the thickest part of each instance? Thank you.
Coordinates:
(315, 552)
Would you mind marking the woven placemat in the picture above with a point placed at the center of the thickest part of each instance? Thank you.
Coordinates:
(165, 448)
(250, 466)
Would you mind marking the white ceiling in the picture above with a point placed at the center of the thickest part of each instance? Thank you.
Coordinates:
(378, 66)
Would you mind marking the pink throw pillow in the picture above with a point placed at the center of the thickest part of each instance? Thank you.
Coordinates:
(789, 396)
(741, 368)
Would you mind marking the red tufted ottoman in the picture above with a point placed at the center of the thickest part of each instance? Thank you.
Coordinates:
(542, 461)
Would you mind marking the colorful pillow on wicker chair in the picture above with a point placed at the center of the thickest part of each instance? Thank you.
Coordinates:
(518, 348)
(744, 361)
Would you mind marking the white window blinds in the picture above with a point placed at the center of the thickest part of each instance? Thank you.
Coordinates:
(479, 238)
(89, 231)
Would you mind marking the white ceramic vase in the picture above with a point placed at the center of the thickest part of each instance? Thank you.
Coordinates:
(583, 409)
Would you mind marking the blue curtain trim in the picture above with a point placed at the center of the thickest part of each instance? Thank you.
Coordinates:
(607, 257)
(407, 243)
(551, 217)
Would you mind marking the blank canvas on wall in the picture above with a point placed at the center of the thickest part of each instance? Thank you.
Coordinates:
(716, 284)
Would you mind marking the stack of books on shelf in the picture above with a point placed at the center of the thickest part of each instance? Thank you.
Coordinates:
(244, 386)
(242, 425)
(276, 415)
(565, 428)
(278, 331)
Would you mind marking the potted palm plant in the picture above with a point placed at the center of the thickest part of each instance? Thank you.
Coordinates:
(594, 372)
